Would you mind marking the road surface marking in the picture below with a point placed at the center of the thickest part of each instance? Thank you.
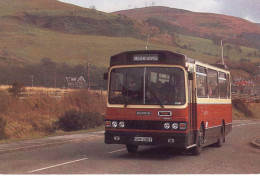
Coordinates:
(49, 144)
(98, 132)
(61, 164)
(117, 151)
(245, 124)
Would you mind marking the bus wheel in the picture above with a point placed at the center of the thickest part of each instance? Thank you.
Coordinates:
(132, 148)
(221, 138)
(199, 142)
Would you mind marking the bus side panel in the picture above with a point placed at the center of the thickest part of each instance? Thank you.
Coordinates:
(212, 116)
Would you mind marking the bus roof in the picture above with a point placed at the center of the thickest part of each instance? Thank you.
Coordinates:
(191, 64)
(158, 57)
(148, 57)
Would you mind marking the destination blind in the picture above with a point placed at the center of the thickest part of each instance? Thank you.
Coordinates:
(145, 57)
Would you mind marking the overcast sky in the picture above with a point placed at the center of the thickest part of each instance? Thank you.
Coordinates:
(247, 9)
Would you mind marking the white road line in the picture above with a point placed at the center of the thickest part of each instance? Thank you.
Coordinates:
(245, 124)
(61, 164)
(117, 151)
(98, 132)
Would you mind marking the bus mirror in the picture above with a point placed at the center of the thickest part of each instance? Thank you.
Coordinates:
(190, 76)
(105, 76)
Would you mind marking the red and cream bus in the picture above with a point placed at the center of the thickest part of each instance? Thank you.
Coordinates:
(162, 98)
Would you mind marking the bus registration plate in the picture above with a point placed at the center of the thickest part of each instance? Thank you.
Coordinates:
(144, 139)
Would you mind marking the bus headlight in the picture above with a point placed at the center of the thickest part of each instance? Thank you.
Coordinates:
(167, 125)
(175, 126)
(114, 124)
(122, 124)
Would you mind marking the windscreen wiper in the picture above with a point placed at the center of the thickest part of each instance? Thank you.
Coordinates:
(156, 98)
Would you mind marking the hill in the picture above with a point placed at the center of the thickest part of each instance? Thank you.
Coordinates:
(32, 30)
(35, 30)
(206, 25)
(193, 22)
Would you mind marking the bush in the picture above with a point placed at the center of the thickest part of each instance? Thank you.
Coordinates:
(17, 88)
(6, 102)
(74, 120)
(241, 106)
(2, 127)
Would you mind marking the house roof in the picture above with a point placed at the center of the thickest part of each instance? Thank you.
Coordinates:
(75, 79)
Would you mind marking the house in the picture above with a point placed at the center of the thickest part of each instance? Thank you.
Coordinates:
(76, 82)
(243, 86)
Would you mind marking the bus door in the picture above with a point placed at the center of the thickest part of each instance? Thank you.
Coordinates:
(192, 107)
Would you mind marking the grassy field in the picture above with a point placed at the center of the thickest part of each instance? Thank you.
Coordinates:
(33, 44)
(38, 116)
(206, 46)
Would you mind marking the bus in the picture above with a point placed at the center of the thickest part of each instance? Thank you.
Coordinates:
(163, 98)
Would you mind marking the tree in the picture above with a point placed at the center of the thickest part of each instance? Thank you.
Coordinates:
(17, 88)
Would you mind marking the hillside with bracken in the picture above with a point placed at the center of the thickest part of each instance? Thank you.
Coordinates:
(34, 31)
(193, 22)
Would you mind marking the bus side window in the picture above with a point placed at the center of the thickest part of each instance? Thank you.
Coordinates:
(228, 86)
(201, 79)
(213, 83)
(222, 85)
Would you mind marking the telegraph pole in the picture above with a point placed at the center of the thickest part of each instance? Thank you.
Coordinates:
(88, 67)
(32, 80)
(55, 79)
(222, 51)
(222, 47)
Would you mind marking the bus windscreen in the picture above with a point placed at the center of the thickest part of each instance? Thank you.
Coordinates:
(147, 86)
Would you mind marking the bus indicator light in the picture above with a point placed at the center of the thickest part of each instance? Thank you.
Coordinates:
(183, 126)
(116, 138)
(171, 140)
(108, 124)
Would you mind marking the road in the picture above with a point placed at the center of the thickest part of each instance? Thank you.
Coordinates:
(92, 156)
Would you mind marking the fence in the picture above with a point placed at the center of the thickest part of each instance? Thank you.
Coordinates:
(245, 97)
(57, 93)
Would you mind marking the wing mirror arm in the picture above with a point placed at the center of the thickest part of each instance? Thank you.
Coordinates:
(105, 77)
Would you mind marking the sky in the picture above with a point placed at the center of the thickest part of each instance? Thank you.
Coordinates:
(246, 9)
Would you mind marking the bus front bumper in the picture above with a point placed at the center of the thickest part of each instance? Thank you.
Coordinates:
(178, 140)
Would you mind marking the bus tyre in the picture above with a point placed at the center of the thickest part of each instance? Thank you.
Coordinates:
(221, 138)
(132, 148)
(199, 142)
